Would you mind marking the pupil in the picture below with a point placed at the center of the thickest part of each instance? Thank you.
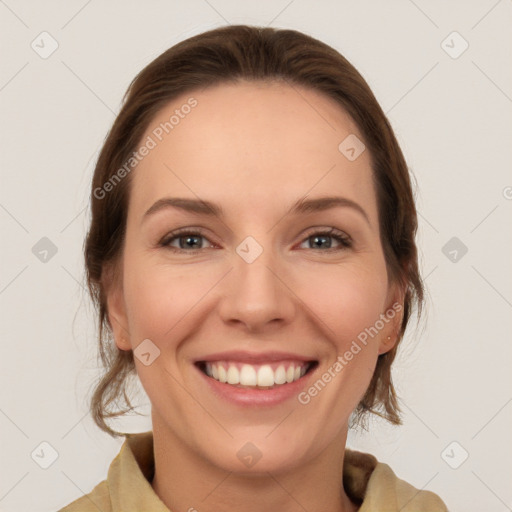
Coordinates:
(321, 237)
(188, 240)
(317, 241)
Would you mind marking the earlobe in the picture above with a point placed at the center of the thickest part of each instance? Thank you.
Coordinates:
(395, 314)
(116, 313)
(120, 333)
(387, 344)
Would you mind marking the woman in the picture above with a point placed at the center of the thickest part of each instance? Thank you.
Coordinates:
(252, 255)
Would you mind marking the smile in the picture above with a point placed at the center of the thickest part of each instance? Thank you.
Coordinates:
(256, 376)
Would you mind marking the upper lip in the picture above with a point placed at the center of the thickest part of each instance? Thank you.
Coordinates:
(253, 357)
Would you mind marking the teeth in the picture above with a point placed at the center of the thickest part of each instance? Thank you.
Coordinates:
(233, 375)
(261, 376)
(265, 376)
(248, 376)
(280, 375)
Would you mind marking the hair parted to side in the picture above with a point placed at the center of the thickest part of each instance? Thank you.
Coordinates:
(231, 54)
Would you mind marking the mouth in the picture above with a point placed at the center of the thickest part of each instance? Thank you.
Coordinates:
(261, 376)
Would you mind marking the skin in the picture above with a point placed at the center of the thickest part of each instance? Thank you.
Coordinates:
(254, 149)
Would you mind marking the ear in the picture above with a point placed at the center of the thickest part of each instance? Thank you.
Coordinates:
(116, 308)
(392, 317)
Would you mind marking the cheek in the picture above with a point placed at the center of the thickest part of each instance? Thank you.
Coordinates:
(158, 297)
(347, 299)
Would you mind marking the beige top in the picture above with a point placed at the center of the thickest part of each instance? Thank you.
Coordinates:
(128, 484)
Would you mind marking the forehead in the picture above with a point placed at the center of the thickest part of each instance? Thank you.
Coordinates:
(248, 144)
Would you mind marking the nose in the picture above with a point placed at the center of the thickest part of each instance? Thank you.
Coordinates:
(257, 294)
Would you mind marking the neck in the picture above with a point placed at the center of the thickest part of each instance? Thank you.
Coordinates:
(184, 481)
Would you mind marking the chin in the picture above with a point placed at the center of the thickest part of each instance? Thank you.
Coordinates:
(254, 455)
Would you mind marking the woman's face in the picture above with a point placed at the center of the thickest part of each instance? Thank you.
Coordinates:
(258, 287)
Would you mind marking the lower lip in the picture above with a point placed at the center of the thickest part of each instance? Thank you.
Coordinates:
(257, 397)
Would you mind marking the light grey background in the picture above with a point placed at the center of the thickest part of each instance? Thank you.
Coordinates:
(452, 117)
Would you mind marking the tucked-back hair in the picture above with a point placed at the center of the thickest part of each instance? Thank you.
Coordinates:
(228, 55)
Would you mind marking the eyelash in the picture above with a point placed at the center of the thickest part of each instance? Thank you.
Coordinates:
(344, 240)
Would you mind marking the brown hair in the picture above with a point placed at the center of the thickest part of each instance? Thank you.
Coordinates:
(231, 54)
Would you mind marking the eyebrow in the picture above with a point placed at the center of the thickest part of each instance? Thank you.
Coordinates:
(302, 206)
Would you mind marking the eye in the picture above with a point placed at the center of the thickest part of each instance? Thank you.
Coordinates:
(188, 241)
(322, 239)
(191, 241)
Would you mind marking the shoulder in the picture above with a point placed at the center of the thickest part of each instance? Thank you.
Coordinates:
(127, 484)
(408, 497)
(379, 487)
(97, 499)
